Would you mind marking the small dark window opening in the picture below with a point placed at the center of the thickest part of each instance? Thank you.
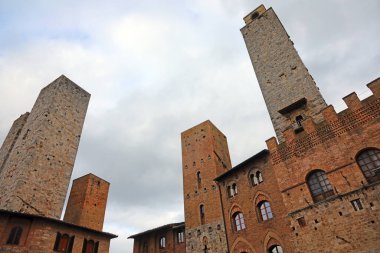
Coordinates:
(255, 15)
(301, 221)
(15, 235)
(202, 213)
(299, 120)
(357, 204)
(199, 178)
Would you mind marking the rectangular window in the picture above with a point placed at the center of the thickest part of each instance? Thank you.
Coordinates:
(357, 204)
(180, 237)
(301, 221)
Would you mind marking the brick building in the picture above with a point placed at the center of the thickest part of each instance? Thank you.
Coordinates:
(316, 188)
(36, 162)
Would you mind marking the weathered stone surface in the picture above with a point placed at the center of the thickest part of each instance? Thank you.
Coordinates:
(35, 176)
(282, 76)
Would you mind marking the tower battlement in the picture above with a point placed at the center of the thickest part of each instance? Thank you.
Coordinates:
(333, 125)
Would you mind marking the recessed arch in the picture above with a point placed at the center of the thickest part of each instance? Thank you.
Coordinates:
(241, 245)
(271, 239)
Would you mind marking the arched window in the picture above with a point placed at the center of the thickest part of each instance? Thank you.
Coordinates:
(232, 190)
(369, 162)
(89, 246)
(265, 210)
(256, 177)
(15, 235)
(162, 242)
(64, 243)
(319, 185)
(276, 249)
(202, 213)
(238, 221)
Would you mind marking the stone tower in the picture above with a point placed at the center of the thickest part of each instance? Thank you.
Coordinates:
(289, 91)
(205, 155)
(39, 152)
(87, 202)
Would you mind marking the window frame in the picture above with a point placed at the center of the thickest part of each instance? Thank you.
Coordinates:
(15, 235)
(162, 242)
(265, 210)
(238, 221)
(365, 160)
(319, 185)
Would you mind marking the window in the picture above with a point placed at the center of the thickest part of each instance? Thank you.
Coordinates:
(319, 185)
(199, 178)
(357, 204)
(256, 178)
(232, 190)
(239, 221)
(276, 249)
(202, 213)
(89, 246)
(369, 162)
(265, 210)
(205, 250)
(180, 237)
(301, 221)
(15, 235)
(145, 248)
(162, 242)
(63, 243)
(299, 120)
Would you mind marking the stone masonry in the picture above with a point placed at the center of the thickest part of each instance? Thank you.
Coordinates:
(87, 202)
(283, 78)
(38, 155)
(204, 152)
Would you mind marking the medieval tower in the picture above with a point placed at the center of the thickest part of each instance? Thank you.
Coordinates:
(289, 91)
(205, 155)
(40, 150)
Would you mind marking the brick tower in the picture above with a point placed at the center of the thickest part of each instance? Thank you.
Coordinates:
(204, 156)
(289, 91)
(39, 152)
(87, 202)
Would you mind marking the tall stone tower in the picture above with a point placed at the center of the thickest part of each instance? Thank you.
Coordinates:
(289, 91)
(205, 155)
(38, 155)
(87, 202)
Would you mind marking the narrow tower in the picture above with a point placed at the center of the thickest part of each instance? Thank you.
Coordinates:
(204, 156)
(87, 202)
(36, 172)
(289, 91)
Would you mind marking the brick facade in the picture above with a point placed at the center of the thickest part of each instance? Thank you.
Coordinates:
(317, 186)
(87, 202)
(165, 239)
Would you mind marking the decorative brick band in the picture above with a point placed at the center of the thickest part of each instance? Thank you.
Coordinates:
(324, 131)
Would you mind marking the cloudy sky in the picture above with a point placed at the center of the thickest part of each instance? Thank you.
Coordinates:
(157, 68)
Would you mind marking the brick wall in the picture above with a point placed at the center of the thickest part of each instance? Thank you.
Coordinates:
(39, 235)
(204, 150)
(87, 202)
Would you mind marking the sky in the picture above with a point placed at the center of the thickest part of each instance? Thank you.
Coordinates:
(157, 68)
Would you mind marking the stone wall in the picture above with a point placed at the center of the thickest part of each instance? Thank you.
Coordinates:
(282, 76)
(35, 177)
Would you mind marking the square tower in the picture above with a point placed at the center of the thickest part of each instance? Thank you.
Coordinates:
(87, 202)
(289, 91)
(205, 155)
(36, 172)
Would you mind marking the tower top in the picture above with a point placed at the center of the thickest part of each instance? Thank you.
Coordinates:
(289, 91)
